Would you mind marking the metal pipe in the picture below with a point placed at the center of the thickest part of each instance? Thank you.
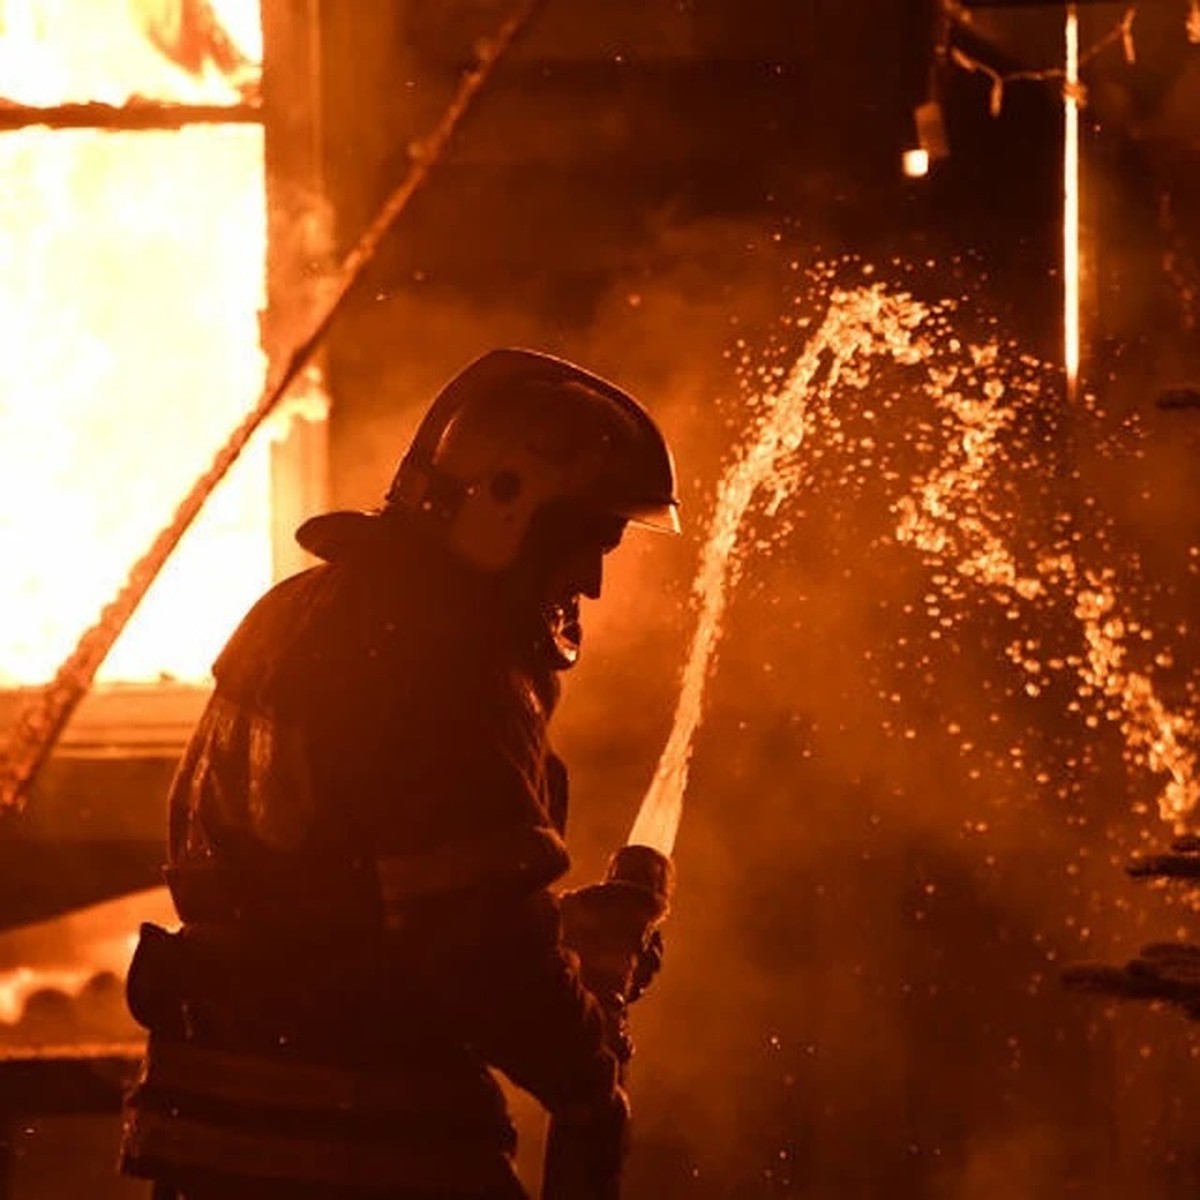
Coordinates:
(136, 115)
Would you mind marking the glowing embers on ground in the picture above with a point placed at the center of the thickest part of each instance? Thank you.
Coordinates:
(949, 459)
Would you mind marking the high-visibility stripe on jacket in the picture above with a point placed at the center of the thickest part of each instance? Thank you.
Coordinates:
(252, 1117)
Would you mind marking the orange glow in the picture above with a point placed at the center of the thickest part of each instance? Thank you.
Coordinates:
(18, 985)
(132, 281)
(65, 953)
(1071, 264)
(74, 51)
(916, 163)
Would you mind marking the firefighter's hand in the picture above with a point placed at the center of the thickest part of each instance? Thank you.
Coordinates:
(585, 1150)
(646, 964)
(608, 926)
(593, 931)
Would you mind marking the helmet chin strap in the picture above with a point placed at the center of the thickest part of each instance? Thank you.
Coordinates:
(562, 633)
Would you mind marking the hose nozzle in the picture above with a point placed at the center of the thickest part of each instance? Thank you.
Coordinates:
(648, 874)
(611, 924)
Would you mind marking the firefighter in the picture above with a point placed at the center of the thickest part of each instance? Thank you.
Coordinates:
(367, 822)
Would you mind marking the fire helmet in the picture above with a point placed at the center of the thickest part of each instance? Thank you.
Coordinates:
(514, 431)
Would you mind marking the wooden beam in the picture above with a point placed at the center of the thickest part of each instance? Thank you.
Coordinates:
(138, 114)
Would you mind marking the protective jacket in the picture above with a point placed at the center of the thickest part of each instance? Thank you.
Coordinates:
(363, 831)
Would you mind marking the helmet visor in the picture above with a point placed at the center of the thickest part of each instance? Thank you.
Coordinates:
(656, 515)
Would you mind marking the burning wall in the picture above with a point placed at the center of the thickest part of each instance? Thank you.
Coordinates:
(134, 265)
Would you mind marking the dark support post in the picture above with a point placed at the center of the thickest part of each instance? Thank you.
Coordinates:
(7, 1151)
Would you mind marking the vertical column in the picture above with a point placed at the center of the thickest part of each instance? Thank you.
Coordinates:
(300, 257)
(7, 1125)
(1071, 266)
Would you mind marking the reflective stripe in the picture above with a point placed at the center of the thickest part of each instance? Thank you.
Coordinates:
(304, 1087)
(153, 1140)
(536, 856)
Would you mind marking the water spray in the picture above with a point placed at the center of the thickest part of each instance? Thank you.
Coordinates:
(858, 325)
(941, 517)
(864, 322)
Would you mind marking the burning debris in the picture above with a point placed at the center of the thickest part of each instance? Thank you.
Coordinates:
(62, 979)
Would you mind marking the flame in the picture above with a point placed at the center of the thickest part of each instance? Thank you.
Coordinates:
(75, 51)
(132, 281)
(18, 985)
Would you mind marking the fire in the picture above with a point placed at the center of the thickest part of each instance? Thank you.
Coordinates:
(66, 954)
(133, 277)
(63, 51)
(18, 985)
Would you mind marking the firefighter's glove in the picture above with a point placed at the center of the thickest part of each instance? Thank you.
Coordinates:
(609, 927)
(606, 926)
(586, 1147)
(647, 964)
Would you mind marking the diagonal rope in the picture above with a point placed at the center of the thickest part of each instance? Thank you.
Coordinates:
(42, 720)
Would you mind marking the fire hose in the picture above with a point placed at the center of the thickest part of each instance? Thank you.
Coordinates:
(612, 927)
(40, 723)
